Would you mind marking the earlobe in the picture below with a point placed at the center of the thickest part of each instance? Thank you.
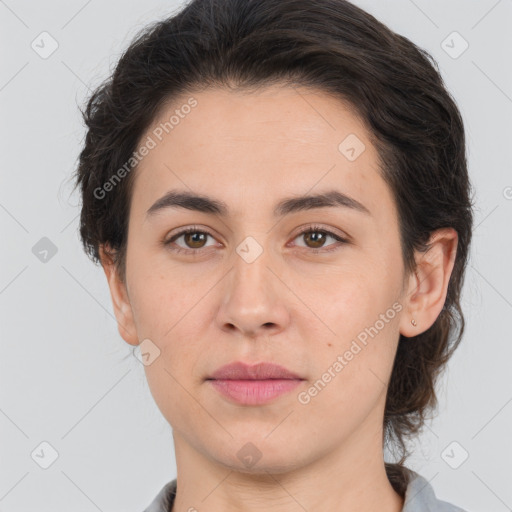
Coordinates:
(120, 300)
(429, 283)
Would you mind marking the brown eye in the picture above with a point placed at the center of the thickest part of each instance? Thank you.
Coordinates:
(315, 238)
(194, 240)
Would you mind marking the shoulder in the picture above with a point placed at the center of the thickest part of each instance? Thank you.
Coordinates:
(420, 497)
(164, 499)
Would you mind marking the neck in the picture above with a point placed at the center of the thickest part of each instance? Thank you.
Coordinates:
(351, 477)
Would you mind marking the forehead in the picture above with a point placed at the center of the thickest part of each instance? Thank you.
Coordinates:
(240, 146)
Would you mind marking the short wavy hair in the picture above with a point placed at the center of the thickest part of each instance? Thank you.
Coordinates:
(332, 46)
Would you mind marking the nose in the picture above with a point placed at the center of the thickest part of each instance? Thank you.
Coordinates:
(254, 298)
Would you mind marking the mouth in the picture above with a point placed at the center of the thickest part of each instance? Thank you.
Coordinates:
(262, 371)
(253, 391)
(253, 384)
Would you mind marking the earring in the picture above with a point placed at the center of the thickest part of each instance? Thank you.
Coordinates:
(413, 322)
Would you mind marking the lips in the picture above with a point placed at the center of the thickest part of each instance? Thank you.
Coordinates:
(261, 371)
(253, 384)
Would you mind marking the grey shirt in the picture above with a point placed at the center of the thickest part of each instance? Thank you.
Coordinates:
(419, 497)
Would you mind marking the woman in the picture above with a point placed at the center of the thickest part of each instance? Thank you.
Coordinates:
(278, 194)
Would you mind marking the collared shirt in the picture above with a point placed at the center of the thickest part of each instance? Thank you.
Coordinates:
(419, 497)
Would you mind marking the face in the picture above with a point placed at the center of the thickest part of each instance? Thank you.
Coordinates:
(316, 287)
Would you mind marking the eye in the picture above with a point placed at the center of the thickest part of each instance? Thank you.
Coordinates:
(193, 237)
(315, 236)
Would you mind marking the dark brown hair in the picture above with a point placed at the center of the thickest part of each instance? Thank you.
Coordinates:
(332, 46)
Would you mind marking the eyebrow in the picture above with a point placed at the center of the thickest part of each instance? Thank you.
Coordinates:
(205, 204)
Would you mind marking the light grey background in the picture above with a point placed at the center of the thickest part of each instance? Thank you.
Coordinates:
(67, 377)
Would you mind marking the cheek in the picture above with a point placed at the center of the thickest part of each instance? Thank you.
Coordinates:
(160, 296)
(173, 377)
(352, 367)
(343, 298)
(357, 319)
(166, 304)
(170, 391)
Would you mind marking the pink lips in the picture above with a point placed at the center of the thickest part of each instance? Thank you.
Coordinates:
(256, 384)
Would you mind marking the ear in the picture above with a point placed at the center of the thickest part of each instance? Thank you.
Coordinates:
(428, 286)
(120, 300)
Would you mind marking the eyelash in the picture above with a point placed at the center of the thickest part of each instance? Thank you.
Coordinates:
(309, 229)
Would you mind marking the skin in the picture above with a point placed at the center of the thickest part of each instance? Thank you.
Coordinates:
(290, 306)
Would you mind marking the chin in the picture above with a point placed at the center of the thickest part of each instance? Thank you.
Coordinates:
(259, 457)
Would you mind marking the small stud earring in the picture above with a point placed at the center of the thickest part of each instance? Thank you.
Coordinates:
(413, 322)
